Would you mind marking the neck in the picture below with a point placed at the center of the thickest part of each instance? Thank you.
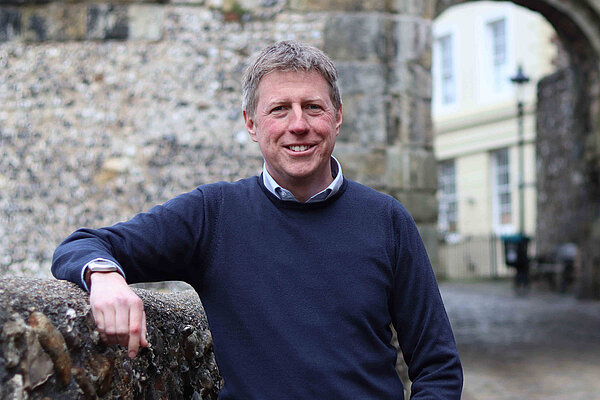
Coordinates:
(303, 193)
(304, 188)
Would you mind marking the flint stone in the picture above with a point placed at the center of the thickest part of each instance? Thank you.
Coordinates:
(100, 370)
(53, 343)
(22, 349)
(14, 389)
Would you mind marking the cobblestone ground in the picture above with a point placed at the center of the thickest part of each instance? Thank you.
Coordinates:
(537, 346)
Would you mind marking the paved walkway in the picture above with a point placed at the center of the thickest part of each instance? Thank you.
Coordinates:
(541, 346)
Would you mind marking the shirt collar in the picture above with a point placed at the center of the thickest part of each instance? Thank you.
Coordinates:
(284, 194)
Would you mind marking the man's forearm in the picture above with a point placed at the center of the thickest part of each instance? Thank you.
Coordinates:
(74, 254)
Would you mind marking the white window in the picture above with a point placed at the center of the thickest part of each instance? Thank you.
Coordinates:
(498, 53)
(448, 204)
(501, 191)
(447, 78)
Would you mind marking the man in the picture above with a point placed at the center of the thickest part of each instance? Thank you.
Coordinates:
(301, 271)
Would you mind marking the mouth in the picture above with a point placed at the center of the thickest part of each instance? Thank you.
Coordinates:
(299, 148)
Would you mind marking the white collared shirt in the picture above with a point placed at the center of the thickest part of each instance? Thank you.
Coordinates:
(284, 194)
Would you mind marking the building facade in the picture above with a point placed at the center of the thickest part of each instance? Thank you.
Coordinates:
(477, 48)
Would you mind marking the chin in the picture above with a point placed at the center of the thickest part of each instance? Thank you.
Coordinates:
(300, 175)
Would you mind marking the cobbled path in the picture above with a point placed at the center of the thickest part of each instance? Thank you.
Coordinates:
(539, 346)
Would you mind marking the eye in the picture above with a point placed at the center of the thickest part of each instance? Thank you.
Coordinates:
(278, 109)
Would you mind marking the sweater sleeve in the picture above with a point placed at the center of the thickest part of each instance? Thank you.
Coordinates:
(158, 245)
(419, 317)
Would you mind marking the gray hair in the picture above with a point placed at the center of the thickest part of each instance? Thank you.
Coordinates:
(288, 55)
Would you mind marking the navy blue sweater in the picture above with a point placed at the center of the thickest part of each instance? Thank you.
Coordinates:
(299, 297)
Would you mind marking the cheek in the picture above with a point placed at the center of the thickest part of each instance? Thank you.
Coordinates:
(327, 129)
(270, 131)
(327, 124)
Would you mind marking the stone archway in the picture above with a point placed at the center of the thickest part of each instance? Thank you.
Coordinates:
(572, 97)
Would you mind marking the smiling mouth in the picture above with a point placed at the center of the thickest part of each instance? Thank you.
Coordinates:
(299, 148)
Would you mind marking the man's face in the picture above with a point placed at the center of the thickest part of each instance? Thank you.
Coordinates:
(295, 126)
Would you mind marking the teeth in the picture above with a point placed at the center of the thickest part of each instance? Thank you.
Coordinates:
(299, 148)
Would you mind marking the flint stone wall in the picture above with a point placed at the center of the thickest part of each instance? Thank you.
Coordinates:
(108, 108)
(49, 348)
(567, 185)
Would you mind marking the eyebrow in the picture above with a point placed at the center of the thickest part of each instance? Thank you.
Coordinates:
(283, 100)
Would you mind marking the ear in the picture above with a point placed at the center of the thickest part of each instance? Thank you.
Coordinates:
(338, 120)
(250, 126)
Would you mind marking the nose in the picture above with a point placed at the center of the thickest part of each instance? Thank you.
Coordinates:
(297, 122)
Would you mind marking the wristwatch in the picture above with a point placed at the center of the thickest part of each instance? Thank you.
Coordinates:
(102, 266)
(98, 265)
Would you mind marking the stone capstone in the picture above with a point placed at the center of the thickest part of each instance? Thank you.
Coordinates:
(49, 347)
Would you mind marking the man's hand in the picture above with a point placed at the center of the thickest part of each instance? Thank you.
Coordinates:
(118, 311)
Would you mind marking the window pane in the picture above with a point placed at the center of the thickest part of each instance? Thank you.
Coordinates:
(497, 41)
(501, 190)
(448, 206)
(446, 69)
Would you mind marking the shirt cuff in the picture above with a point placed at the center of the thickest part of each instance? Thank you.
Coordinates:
(85, 267)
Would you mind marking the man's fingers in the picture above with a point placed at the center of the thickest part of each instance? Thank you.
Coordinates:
(110, 328)
(118, 311)
(122, 326)
(144, 338)
(100, 325)
(136, 317)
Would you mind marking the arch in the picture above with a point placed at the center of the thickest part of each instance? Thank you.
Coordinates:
(577, 25)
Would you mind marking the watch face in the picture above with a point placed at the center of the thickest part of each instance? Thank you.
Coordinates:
(102, 263)
(102, 266)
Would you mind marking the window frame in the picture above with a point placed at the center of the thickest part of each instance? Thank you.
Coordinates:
(447, 197)
(501, 185)
(448, 67)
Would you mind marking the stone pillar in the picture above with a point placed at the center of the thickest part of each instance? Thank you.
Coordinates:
(568, 189)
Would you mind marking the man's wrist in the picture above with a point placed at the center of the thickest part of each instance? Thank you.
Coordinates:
(99, 266)
(94, 276)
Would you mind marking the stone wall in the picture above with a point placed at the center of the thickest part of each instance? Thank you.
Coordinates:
(108, 108)
(567, 185)
(559, 146)
(49, 348)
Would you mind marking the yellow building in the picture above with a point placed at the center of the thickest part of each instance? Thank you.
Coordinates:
(478, 47)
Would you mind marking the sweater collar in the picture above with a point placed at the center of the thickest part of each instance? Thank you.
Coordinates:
(284, 194)
(296, 204)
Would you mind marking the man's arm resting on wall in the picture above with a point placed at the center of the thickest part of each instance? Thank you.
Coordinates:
(152, 246)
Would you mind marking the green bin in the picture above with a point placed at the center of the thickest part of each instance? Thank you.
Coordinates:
(515, 250)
